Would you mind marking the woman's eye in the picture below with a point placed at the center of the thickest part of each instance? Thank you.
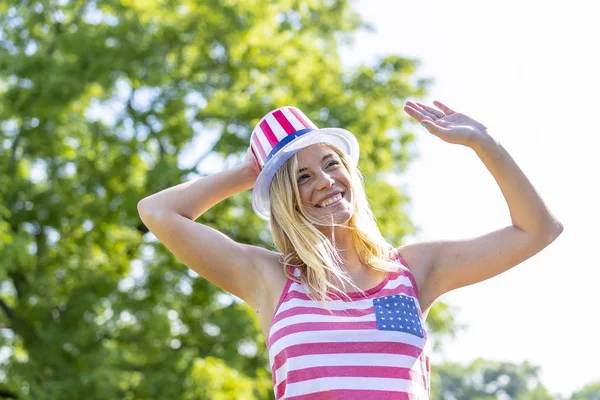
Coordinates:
(302, 177)
(331, 163)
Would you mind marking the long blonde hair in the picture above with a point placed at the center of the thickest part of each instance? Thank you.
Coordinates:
(304, 246)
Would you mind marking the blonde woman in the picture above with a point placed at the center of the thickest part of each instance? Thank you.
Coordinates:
(343, 312)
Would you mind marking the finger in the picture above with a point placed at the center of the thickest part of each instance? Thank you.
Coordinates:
(416, 114)
(434, 127)
(447, 110)
(431, 110)
(255, 159)
(427, 111)
(422, 108)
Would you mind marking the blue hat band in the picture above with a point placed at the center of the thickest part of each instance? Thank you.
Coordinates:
(285, 141)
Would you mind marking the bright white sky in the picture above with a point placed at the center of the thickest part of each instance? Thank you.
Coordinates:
(529, 70)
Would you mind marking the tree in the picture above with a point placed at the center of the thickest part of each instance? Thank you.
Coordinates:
(591, 391)
(98, 101)
(487, 380)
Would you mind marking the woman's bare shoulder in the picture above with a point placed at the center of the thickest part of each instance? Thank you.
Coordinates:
(418, 257)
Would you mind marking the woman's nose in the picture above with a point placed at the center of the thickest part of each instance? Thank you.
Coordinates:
(325, 181)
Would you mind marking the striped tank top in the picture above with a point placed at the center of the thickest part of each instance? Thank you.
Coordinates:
(373, 346)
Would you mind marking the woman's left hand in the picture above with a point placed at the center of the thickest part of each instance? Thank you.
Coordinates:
(447, 124)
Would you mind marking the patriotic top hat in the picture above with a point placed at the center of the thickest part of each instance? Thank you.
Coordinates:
(278, 136)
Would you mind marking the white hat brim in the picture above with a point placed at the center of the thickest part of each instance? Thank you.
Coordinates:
(340, 138)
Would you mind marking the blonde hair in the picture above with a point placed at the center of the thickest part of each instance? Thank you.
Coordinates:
(304, 246)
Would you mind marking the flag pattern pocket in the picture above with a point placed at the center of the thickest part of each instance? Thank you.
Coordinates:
(397, 313)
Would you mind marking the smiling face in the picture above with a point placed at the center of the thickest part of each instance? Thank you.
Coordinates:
(324, 184)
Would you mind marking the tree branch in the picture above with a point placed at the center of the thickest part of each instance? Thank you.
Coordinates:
(6, 394)
(58, 28)
(13, 155)
(7, 310)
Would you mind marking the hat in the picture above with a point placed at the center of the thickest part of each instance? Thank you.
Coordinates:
(278, 136)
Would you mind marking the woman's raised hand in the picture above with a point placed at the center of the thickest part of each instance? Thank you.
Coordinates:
(447, 124)
(251, 164)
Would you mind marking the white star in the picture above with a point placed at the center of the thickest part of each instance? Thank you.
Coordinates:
(385, 326)
(393, 326)
(389, 312)
(380, 312)
(395, 304)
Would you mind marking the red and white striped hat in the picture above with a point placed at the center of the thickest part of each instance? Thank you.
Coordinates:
(279, 135)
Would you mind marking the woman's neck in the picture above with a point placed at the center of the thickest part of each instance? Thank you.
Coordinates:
(342, 238)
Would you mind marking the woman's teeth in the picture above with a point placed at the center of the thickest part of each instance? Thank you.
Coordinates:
(331, 200)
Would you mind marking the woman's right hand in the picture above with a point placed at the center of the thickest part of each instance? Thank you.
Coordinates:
(251, 164)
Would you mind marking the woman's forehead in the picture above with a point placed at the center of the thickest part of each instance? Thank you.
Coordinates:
(315, 152)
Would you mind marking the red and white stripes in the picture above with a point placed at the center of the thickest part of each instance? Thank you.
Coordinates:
(343, 354)
(274, 127)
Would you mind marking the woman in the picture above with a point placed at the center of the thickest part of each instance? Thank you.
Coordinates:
(342, 311)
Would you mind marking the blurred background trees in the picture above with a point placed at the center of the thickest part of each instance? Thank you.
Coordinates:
(591, 391)
(105, 102)
(495, 380)
(487, 380)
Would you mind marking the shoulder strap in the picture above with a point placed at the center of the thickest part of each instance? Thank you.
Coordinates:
(397, 257)
(404, 266)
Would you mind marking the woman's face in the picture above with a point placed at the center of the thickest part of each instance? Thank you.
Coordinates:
(324, 184)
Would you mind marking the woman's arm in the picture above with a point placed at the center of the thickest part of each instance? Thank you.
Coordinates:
(170, 216)
(192, 199)
(457, 263)
(527, 209)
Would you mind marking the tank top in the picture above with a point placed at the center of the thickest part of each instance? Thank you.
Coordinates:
(373, 346)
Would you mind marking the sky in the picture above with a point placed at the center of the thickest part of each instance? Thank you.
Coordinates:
(529, 70)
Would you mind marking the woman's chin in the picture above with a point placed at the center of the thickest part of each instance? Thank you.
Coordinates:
(338, 217)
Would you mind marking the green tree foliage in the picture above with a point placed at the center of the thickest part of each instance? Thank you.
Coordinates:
(487, 380)
(590, 391)
(98, 99)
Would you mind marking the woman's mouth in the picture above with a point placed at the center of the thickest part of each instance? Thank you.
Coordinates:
(331, 201)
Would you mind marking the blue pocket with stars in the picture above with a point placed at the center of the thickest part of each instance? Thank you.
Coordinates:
(397, 313)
